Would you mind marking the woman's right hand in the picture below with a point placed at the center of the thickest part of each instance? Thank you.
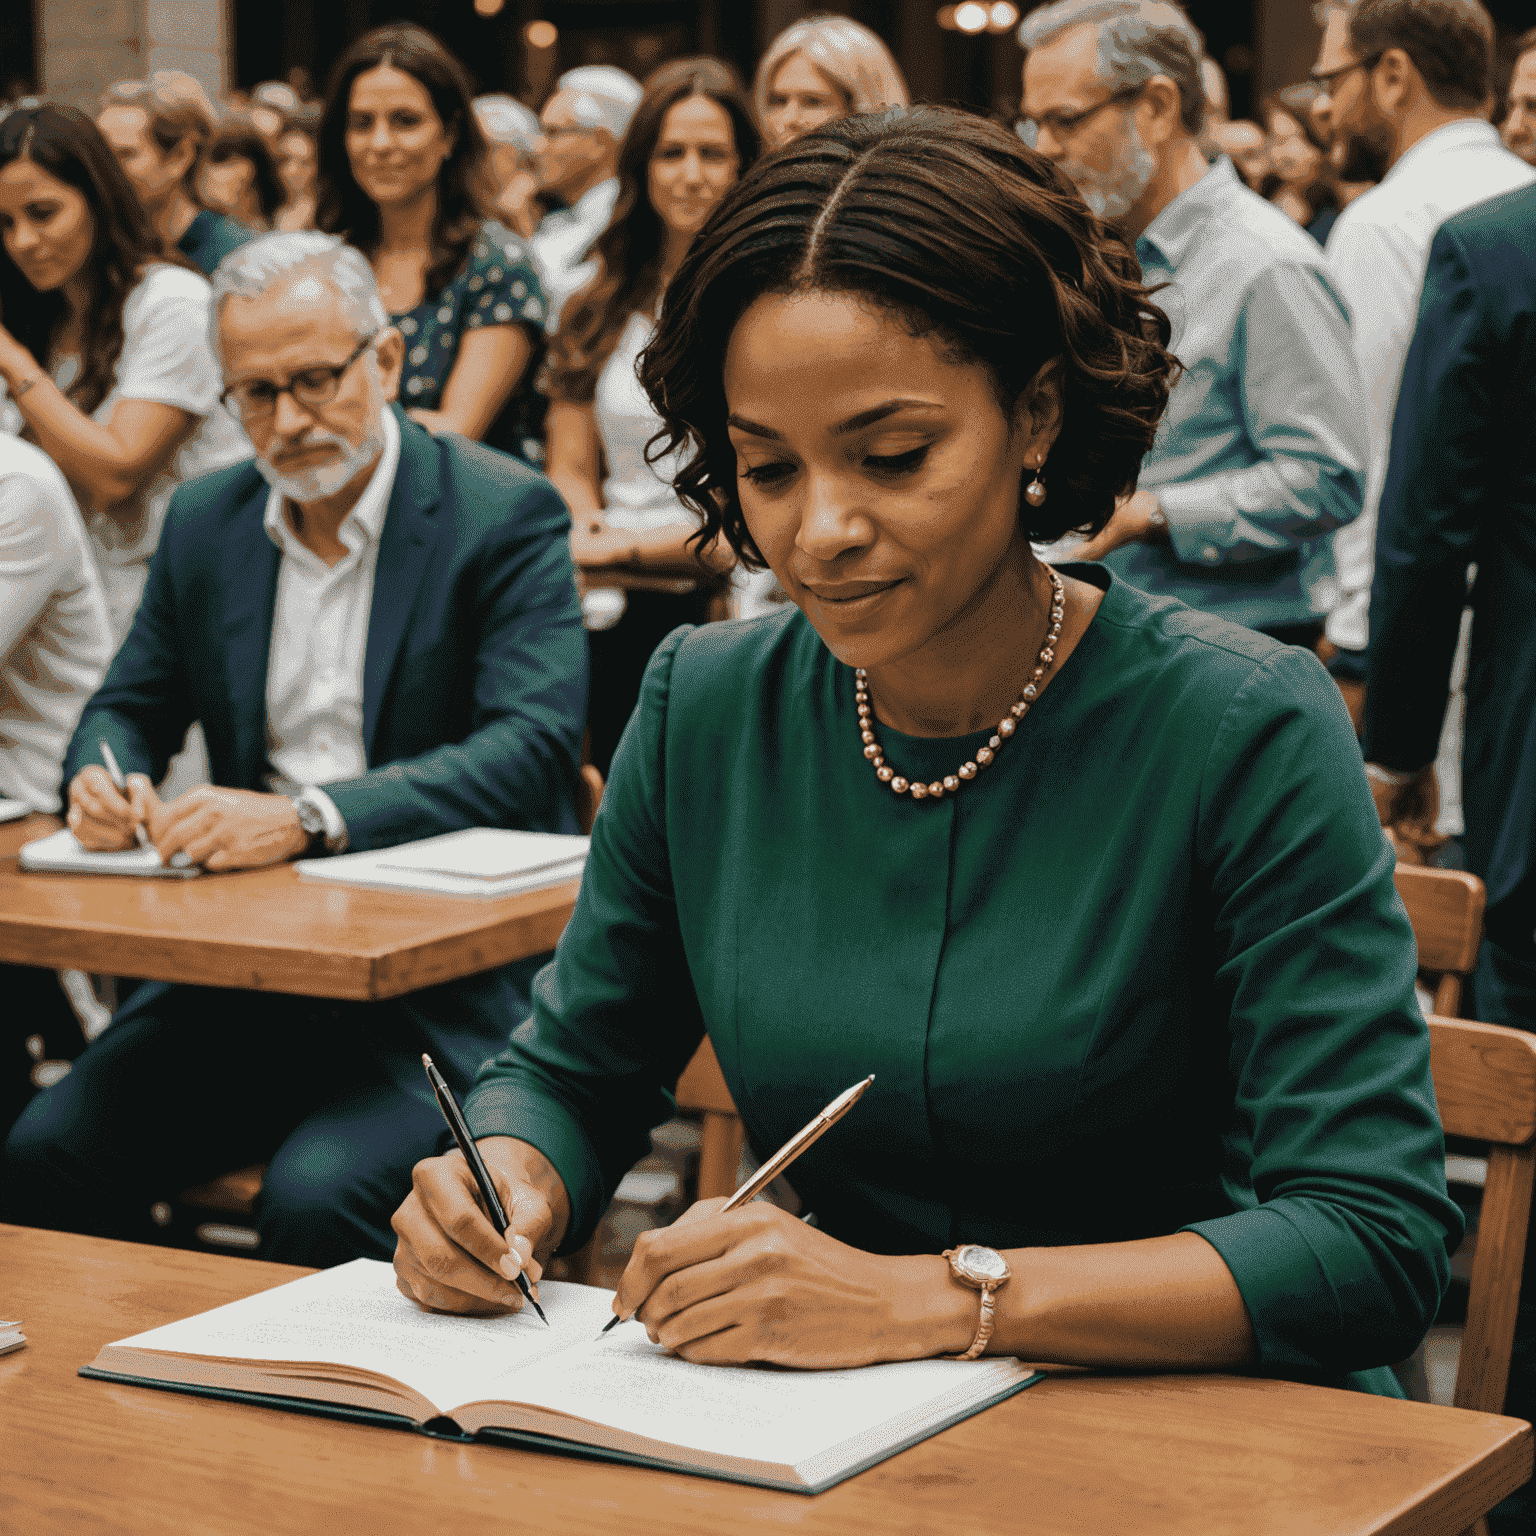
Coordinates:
(449, 1257)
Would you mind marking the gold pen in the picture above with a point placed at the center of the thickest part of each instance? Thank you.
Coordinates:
(798, 1143)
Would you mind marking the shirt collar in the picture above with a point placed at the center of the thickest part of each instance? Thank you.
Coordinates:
(1464, 133)
(365, 522)
(1174, 230)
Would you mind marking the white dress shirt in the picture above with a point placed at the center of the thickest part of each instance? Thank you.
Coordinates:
(1378, 250)
(561, 244)
(320, 638)
(55, 642)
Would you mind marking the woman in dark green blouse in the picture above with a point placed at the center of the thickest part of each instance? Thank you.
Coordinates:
(1091, 882)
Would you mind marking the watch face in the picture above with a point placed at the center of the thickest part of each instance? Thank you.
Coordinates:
(983, 1263)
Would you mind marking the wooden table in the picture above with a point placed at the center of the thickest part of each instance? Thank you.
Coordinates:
(1087, 1455)
(264, 930)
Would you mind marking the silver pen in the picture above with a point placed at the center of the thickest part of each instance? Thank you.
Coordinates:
(121, 785)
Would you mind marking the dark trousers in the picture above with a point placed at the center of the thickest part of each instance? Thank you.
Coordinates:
(34, 1006)
(192, 1082)
(1504, 992)
(617, 660)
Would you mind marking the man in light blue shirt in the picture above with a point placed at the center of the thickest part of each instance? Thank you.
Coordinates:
(1262, 451)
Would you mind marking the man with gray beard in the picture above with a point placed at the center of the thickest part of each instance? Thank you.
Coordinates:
(1261, 454)
(380, 634)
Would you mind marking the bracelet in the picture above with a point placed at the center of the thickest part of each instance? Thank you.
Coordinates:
(1390, 778)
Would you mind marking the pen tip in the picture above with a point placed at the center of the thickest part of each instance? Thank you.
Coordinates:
(426, 1060)
(612, 1323)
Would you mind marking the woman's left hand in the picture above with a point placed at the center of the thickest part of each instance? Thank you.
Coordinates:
(755, 1284)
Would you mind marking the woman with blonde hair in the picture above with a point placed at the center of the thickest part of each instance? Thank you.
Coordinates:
(819, 69)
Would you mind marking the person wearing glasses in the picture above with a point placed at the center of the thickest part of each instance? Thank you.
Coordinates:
(582, 125)
(1262, 452)
(103, 342)
(379, 631)
(1406, 85)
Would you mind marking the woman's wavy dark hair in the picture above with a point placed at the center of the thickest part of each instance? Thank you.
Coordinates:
(240, 139)
(950, 223)
(344, 208)
(65, 143)
(629, 251)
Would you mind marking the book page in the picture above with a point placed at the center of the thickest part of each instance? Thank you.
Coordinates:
(353, 1315)
(757, 1413)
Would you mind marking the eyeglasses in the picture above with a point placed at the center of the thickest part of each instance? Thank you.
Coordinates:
(566, 130)
(1064, 124)
(254, 400)
(1324, 79)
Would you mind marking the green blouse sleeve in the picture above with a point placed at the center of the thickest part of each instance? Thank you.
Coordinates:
(615, 1017)
(1340, 1242)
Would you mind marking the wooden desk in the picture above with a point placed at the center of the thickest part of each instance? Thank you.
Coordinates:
(1085, 1455)
(264, 930)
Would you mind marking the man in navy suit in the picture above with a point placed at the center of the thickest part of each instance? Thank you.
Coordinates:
(380, 634)
(1461, 490)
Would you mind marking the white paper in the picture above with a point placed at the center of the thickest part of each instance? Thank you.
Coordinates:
(14, 810)
(354, 1315)
(486, 853)
(61, 854)
(755, 1413)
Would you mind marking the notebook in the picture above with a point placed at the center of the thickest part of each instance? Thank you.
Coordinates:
(479, 861)
(346, 1343)
(13, 810)
(60, 854)
(11, 1337)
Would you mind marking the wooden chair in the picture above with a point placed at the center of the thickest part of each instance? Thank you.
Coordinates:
(1445, 907)
(234, 1194)
(702, 1088)
(1485, 1082)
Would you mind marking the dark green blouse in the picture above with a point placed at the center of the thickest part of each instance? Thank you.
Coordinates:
(1148, 972)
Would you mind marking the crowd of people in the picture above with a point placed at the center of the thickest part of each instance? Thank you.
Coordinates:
(389, 458)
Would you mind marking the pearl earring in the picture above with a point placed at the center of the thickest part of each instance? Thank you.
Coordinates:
(1034, 492)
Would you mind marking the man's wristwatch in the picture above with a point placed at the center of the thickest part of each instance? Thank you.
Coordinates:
(984, 1270)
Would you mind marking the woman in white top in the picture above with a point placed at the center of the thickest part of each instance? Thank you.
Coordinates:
(823, 68)
(104, 345)
(691, 136)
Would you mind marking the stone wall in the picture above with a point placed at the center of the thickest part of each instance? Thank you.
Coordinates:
(84, 45)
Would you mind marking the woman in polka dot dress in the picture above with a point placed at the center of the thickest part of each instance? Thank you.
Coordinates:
(402, 160)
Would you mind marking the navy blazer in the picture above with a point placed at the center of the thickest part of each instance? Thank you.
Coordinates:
(474, 677)
(1461, 488)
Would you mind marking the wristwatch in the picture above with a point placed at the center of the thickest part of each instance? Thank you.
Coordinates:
(984, 1270)
(1157, 521)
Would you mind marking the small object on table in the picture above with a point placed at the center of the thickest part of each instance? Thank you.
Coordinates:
(800, 1142)
(11, 1337)
(456, 1123)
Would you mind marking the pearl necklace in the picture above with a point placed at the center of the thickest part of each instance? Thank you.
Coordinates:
(1005, 727)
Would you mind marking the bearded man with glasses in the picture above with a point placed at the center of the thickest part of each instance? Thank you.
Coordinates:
(1261, 454)
(379, 632)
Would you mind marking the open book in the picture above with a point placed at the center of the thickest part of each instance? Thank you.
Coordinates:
(479, 861)
(60, 854)
(346, 1338)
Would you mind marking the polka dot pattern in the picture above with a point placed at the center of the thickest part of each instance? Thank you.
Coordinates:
(497, 286)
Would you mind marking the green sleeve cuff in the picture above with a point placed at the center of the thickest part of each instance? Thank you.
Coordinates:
(1283, 1283)
(504, 1107)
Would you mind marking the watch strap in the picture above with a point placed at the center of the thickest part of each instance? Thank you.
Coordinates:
(985, 1320)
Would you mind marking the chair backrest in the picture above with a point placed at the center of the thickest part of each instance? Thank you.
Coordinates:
(589, 795)
(1445, 907)
(702, 1088)
(1485, 1083)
